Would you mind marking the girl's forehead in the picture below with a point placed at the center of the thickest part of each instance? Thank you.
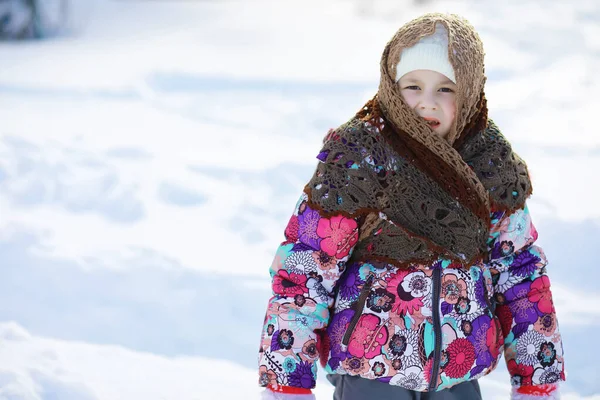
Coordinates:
(424, 75)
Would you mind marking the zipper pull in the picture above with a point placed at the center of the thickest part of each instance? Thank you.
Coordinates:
(358, 308)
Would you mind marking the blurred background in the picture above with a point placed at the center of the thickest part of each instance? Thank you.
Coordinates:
(151, 153)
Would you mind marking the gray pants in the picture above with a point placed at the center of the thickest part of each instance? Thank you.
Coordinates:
(356, 388)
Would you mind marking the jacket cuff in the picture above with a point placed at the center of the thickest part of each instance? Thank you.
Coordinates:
(269, 394)
(288, 389)
(536, 392)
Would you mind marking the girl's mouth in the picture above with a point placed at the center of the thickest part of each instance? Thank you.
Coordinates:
(432, 122)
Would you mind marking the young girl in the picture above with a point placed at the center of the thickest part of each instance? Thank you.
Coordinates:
(409, 263)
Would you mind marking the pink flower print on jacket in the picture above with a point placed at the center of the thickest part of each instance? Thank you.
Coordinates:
(494, 339)
(540, 293)
(339, 235)
(368, 337)
(289, 284)
(291, 230)
(461, 355)
(404, 302)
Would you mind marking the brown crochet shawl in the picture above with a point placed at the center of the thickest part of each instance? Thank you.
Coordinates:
(418, 196)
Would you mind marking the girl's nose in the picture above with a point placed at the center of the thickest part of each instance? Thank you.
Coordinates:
(427, 106)
(427, 103)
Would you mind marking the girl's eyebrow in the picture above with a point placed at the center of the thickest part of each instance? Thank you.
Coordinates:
(416, 80)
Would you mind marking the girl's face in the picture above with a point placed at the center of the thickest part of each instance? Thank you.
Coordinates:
(433, 96)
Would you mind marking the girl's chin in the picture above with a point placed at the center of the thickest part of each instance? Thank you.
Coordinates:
(439, 130)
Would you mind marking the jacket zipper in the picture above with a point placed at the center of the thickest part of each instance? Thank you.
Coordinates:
(437, 329)
(360, 305)
(490, 301)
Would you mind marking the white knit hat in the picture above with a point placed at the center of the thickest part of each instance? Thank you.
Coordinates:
(431, 53)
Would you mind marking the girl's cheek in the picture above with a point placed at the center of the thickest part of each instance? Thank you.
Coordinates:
(451, 107)
(409, 99)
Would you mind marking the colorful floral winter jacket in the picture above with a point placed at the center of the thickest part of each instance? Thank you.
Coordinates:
(425, 329)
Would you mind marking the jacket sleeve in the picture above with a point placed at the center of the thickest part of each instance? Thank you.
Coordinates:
(305, 271)
(532, 343)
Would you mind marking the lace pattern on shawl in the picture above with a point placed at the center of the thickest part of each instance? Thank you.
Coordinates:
(501, 171)
(406, 216)
(361, 174)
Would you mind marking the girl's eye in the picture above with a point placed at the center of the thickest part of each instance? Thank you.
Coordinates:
(414, 87)
(446, 90)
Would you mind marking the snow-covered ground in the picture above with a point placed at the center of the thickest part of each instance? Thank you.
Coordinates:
(149, 161)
